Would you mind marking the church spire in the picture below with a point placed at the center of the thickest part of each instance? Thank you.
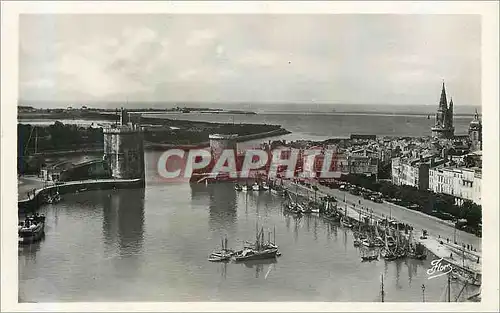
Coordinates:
(443, 104)
(450, 113)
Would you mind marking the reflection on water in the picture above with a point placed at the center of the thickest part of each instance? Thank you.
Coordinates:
(117, 246)
(123, 221)
(222, 207)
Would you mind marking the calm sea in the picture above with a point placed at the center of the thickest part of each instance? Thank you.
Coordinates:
(321, 126)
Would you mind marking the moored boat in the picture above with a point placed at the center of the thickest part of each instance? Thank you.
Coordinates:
(238, 187)
(256, 187)
(372, 257)
(31, 229)
(344, 222)
(224, 254)
(259, 250)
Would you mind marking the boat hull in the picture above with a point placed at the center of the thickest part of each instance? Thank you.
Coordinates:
(257, 256)
(25, 237)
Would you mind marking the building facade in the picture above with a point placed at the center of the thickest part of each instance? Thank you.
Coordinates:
(461, 183)
(409, 172)
(443, 127)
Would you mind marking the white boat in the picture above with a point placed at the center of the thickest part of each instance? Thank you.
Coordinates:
(256, 187)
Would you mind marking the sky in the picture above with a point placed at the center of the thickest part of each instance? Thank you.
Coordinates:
(306, 59)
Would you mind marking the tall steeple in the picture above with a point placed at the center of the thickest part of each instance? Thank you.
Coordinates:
(443, 127)
(449, 114)
(443, 104)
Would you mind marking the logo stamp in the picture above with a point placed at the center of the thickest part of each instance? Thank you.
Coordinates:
(439, 269)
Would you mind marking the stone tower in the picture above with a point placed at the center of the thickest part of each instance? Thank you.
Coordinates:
(219, 143)
(443, 127)
(124, 149)
(475, 133)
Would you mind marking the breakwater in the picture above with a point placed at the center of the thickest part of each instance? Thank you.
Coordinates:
(204, 144)
(38, 197)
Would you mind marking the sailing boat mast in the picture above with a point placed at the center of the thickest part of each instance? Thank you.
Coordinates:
(449, 289)
(382, 293)
(36, 138)
(274, 232)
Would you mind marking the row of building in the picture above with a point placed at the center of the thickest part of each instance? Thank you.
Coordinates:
(456, 171)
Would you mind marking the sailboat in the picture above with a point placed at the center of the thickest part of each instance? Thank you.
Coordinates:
(417, 251)
(258, 251)
(370, 257)
(344, 221)
(238, 187)
(224, 254)
(389, 255)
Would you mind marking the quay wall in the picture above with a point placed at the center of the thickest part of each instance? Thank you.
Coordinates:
(34, 202)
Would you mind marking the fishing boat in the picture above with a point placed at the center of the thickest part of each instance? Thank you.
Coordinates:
(264, 186)
(369, 258)
(258, 251)
(344, 222)
(249, 254)
(31, 229)
(357, 240)
(256, 187)
(368, 243)
(416, 251)
(53, 199)
(238, 187)
(389, 254)
(245, 187)
(222, 255)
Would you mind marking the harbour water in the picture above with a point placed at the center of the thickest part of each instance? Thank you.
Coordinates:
(152, 245)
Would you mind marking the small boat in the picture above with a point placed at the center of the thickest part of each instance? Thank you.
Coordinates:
(248, 254)
(222, 255)
(357, 242)
(245, 188)
(389, 257)
(256, 187)
(31, 229)
(345, 223)
(264, 186)
(368, 258)
(368, 243)
(418, 253)
(55, 199)
(259, 250)
(238, 187)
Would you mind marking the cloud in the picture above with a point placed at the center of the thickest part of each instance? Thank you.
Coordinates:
(282, 58)
(200, 37)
